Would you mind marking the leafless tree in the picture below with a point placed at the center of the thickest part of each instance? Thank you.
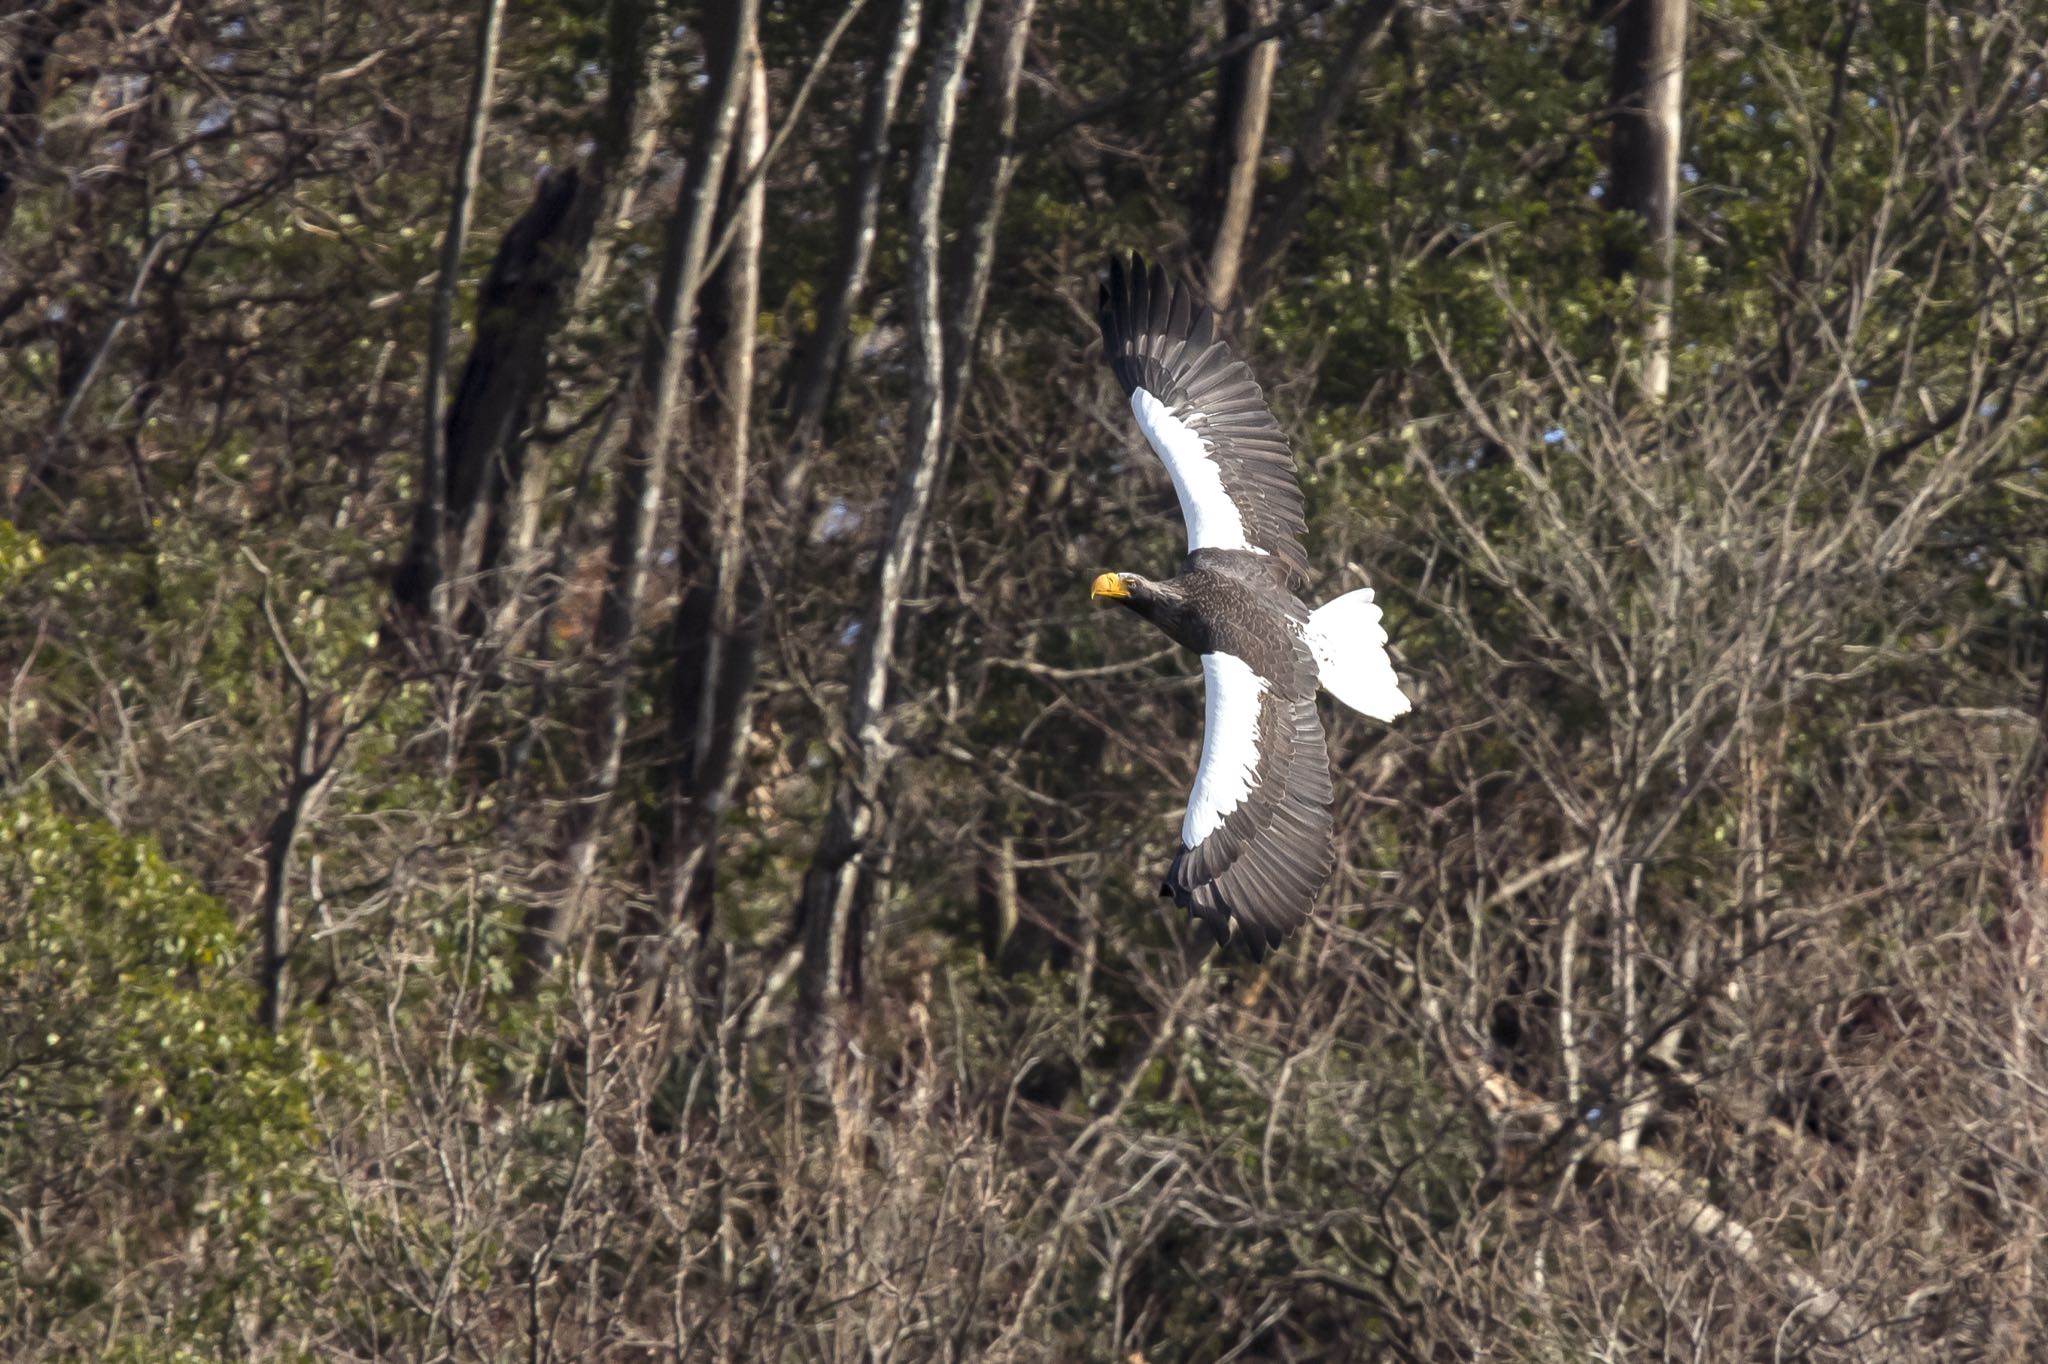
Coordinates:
(656, 405)
(1644, 148)
(417, 586)
(1678, 994)
(827, 914)
(1222, 211)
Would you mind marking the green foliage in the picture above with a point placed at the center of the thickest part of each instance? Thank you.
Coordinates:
(20, 554)
(138, 1086)
(1723, 718)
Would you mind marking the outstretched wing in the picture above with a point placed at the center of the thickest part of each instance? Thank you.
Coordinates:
(1203, 413)
(1255, 844)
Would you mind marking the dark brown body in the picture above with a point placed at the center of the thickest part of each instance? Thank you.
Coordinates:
(1265, 864)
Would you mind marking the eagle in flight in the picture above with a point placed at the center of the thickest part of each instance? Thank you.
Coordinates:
(1255, 842)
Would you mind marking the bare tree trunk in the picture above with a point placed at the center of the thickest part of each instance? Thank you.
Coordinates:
(416, 586)
(658, 405)
(1648, 82)
(1223, 214)
(612, 175)
(315, 747)
(975, 251)
(1280, 224)
(721, 623)
(711, 548)
(545, 263)
(728, 688)
(640, 132)
(818, 359)
(1649, 85)
(326, 722)
(517, 307)
(825, 906)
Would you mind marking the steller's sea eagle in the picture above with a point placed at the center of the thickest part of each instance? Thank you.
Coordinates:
(1255, 843)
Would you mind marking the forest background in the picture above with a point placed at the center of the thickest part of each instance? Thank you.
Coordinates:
(564, 800)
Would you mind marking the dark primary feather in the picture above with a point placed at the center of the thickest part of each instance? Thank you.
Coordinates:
(1256, 876)
(1159, 339)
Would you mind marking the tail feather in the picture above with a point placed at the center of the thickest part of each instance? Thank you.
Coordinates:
(1350, 646)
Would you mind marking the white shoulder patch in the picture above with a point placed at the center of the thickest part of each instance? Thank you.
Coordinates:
(1213, 520)
(1350, 646)
(1230, 744)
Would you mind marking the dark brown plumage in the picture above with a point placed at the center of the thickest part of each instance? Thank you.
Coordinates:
(1262, 867)
(1157, 338)
(1255, 845)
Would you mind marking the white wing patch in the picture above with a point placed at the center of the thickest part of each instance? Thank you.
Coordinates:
(1230, 745)
(1350, 646)
(1212, 518)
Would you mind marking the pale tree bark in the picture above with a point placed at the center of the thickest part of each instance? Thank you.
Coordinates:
(825, 910)
(975, 251)
(1244, 95)
(658, 404)
(1647, 87)
(518, 539)
(1281, 222)
(1187, 69)
(716, 616)
(712, 695)
(1648, 90)
(1672, 1190)
(417, 586)
(613, 176)
(819, 357)
(711, 551)
(639, 140)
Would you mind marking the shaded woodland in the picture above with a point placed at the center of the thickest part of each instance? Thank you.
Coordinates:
(562, 797)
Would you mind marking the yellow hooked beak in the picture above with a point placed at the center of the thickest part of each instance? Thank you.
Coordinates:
(1108, 585)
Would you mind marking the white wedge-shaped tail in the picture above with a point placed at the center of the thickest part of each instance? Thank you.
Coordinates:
(1350, 646)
